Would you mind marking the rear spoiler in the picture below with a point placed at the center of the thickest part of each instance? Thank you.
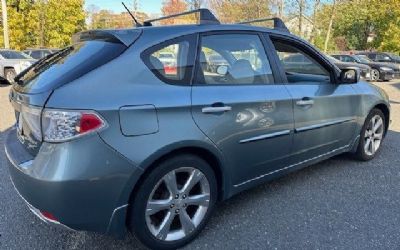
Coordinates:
(124, 36)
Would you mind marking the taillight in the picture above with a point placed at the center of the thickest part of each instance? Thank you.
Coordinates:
(30, 115)
(63, 125)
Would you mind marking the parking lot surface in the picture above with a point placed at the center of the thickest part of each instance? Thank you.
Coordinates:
(337, 204)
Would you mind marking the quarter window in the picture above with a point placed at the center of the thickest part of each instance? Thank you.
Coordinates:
(171, 61)
(233, 59)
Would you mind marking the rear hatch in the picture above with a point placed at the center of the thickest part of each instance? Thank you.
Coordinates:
(33, 86)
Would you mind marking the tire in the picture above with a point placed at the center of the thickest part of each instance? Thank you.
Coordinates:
(147, 224)
(368, 150)
(9, 75)
(375, 75)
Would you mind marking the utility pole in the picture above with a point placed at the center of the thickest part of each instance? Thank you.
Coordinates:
(281, 6)
(5, 24)
(301, 14)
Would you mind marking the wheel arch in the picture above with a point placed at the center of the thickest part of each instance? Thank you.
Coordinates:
(386, 112)
(208, 153)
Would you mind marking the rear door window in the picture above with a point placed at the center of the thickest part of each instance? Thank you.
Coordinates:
(37, 54)
(233, 59)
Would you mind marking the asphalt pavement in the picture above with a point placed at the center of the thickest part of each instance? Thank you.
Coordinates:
(336, 204)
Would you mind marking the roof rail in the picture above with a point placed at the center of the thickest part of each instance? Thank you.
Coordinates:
(206, 17)
(278, 23)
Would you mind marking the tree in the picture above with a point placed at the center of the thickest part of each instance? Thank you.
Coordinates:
(328, 33)
(194, 4)
(49, 23)
(171, 7)
(230, 11)
(5, 24)
(314, 20)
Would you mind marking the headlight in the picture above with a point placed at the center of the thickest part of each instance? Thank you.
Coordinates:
(386, 69)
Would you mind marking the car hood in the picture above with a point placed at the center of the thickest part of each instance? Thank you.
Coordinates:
(381, 64)
(343, 65)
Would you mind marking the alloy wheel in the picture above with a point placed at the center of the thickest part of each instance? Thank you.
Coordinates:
(375, 75)
(178, 204)
(373, 135)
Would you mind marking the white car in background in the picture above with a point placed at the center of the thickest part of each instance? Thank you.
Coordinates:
(12, 63)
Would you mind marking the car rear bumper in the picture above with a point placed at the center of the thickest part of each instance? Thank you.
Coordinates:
(80, 193)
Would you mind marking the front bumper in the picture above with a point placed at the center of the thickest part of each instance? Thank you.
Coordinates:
(387, 75)
(79, 182)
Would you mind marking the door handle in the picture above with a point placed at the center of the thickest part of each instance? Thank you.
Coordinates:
(208, 110)
(305, 102)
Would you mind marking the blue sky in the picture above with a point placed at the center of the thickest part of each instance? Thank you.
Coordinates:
(148, 6)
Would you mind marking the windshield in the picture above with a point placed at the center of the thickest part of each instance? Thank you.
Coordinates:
(363, 59)
(394, 56)
(11, 54)
(332, 59)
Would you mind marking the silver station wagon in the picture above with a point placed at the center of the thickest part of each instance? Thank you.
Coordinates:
(112, 137)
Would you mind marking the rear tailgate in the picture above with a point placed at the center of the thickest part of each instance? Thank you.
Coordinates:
(33, 87)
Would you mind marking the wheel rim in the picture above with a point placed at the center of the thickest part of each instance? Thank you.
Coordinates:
(178, 204)
(373, 135)
(375, 74)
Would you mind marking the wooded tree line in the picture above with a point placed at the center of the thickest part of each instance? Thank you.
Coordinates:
(333, 24)
(45, 23)
(329, 24)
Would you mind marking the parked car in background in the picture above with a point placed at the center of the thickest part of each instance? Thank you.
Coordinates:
(168, 59)
(365, 70)
(381, 56)
(39, 53)
(13, 62)
(379, 71)
(106, 140)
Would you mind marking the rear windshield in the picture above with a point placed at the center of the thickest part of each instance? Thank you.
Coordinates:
(9, 54)
(67, 65)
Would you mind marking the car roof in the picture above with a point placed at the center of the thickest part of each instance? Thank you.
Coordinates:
(193, 28)
(162, 33)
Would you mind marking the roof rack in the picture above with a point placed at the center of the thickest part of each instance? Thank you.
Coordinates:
(206, 17)
(278, 23)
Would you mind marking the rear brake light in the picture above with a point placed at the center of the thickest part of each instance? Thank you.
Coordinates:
(63, 125)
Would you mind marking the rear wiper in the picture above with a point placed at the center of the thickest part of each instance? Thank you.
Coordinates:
(40, 61)
(38, 66)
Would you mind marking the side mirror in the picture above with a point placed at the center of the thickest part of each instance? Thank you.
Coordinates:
(222, 70)
(350, 75)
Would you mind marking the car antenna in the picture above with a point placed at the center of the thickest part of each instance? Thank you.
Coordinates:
(130, 13)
